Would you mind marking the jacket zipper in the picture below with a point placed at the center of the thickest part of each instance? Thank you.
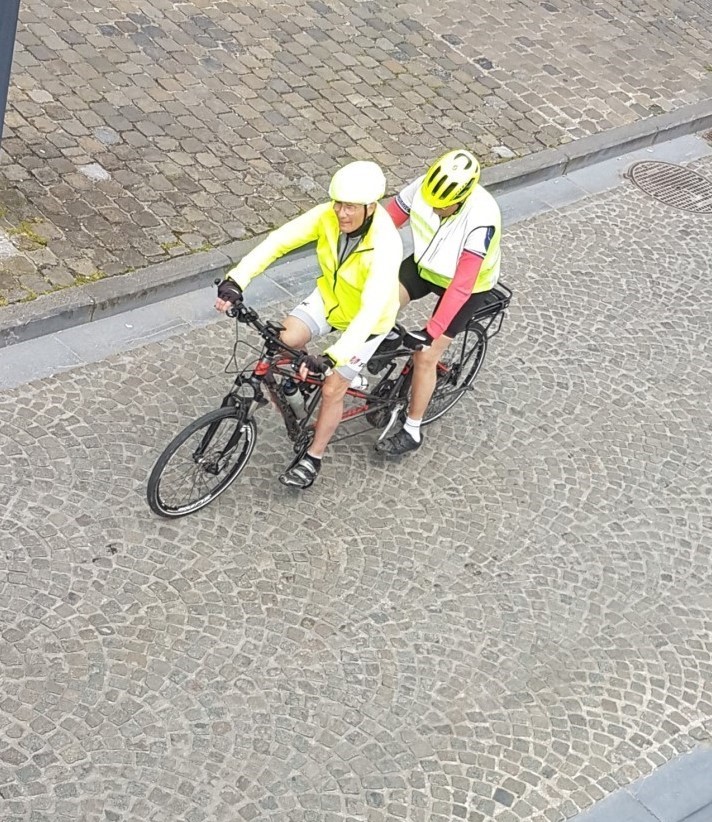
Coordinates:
(356, 250)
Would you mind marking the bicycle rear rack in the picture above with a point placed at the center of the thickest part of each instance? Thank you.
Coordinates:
(495, 308)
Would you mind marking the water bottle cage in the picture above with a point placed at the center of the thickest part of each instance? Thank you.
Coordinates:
(308, 388)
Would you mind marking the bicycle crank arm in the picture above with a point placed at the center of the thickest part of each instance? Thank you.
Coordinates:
(391, 422)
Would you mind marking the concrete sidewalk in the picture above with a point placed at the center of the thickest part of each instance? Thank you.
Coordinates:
(679, 791)
(141, 132)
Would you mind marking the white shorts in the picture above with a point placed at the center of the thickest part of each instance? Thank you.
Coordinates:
(313, 314)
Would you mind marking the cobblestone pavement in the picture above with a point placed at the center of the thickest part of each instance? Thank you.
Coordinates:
(507, 627)
(142, 130)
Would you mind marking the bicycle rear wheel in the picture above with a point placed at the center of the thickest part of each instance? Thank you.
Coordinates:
(456, 372)
(201, 462)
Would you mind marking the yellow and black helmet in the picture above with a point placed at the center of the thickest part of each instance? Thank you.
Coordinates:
(450, 179)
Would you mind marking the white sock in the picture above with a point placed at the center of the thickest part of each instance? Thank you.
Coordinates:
(413, 428)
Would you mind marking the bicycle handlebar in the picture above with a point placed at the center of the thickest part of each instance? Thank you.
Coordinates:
(269, 332)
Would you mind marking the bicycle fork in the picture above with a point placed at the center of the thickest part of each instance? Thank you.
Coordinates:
(212, 466)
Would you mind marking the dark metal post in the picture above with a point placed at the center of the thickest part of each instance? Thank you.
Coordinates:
(9, 11)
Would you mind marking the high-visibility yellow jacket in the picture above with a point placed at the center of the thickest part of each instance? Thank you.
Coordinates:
(361, 294)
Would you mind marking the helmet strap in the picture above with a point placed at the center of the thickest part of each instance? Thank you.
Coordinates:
(363, 228)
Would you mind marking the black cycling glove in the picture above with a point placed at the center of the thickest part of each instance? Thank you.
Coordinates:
(417, 340)
(317, 363)
(230, 291)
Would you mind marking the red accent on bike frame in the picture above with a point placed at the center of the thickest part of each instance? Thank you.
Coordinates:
(262, 368)
(353, 412)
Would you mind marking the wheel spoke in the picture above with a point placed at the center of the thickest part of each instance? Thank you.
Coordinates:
(193, 479)
(185, 472)
(456, 375)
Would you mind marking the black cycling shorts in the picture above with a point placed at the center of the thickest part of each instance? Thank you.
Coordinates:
(418, 288)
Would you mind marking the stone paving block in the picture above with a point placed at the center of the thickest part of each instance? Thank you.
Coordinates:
(109, 87)
(559, 192)
(520, 205)
(115, 333)
(511, 626)
(703, 815)
(619, 808)
(51, 313)
(27, 360)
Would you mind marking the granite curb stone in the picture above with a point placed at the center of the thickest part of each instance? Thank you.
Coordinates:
(678, 791)
(63, 309)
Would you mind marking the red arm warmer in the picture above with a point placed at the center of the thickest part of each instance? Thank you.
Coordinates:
(456, 294)
(398, 216)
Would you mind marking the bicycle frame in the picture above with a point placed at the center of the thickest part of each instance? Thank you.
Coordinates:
(278, 359)
(264, 382)
(265, 376)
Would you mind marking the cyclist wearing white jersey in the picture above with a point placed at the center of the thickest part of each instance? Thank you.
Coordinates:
(456, 227)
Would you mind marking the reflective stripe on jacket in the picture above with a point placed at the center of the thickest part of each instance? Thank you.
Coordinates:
(360, 295)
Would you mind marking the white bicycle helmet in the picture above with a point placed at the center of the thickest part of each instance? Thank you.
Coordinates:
(361, 182)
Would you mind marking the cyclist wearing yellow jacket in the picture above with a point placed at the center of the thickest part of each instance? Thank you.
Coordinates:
(359, 251)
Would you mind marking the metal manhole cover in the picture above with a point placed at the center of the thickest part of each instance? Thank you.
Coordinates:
(673, 185)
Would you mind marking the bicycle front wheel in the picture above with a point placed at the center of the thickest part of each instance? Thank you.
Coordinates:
(201, 462)
(456, 373)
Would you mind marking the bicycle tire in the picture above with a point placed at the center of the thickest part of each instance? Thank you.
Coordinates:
(245, 444)
(470, 363)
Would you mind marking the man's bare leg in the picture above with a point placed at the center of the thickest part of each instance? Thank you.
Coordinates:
(425, 375)
(330, 413)
(296, 334)
(424, 381)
